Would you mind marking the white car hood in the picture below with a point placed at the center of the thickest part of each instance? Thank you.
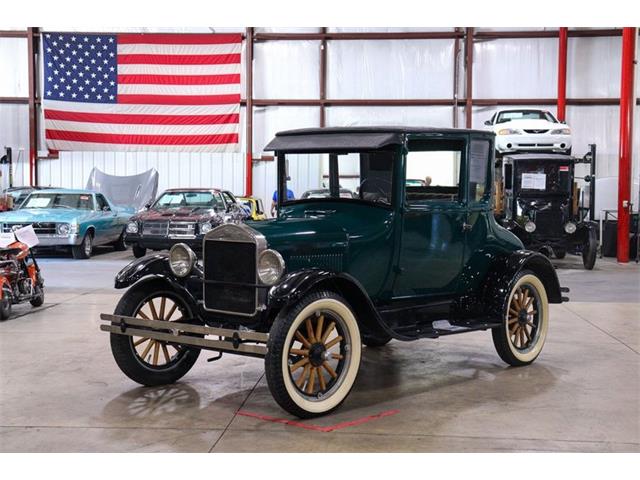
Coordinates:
(529, 124)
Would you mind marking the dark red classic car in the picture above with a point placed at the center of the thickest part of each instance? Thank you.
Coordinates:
(181, 215)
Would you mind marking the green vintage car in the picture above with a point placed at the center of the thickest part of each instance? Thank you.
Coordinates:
(307, 289)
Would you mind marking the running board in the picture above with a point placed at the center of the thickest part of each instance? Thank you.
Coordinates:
(183, 334)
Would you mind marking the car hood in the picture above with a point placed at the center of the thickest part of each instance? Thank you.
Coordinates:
(194, 214)
(529, 125)
(27, 215)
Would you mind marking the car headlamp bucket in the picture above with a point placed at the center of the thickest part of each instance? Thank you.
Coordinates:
(63, 229)
(205, 227)
(132, 227)
(181, 260)
(270, 267)
(508, 131)
(530, 227)
(561, 131)
(570, 227)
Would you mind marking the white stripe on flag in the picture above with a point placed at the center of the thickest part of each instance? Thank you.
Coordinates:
(132, 129)
(155, 49)
(158, 89)
(115, 147)
(143, 69)
(143, 109)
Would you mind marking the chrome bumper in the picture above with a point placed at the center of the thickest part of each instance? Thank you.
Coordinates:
(55, 240)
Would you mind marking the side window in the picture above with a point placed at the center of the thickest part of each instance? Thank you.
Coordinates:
(102, 202)
(228, 199)
(478, 170)
(433, 171)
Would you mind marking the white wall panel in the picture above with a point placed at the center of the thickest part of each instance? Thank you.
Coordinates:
(286, 69)
(14, 79)
(593, 67)
(390, 69)
(515, 68)
(409, 116)
(14, 133)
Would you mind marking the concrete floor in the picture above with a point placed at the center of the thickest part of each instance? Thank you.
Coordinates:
(60, 389)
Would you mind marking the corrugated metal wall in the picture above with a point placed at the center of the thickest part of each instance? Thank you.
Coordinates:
(356, 69)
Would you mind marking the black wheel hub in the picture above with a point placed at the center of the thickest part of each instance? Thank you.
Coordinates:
(316, 354)
(523, 317)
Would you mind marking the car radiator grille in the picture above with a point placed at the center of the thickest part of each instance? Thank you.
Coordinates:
(182, 229)
(47, 228)
(536, 131)
(167, 228)
(230, 276)
(549, 223)
(159, 229)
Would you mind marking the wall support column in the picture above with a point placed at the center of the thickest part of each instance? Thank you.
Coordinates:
(468, 46)
(32, 50)
(562, 73)
(626, 141)
(248, 189)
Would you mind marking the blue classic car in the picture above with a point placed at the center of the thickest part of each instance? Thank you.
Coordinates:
(80, 219)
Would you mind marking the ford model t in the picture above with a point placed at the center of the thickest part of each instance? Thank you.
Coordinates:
(541, 205)
(307, 289)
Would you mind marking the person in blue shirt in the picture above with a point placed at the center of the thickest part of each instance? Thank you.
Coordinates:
(274, 203)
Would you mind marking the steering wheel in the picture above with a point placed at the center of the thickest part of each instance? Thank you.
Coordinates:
(379, 189)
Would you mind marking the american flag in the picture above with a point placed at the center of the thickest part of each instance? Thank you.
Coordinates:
(134, 92)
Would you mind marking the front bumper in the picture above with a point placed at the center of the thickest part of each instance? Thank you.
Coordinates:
(533, 142)
(51, 240)
(163, 243)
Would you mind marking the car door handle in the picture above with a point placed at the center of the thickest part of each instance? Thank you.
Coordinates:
(466, 227)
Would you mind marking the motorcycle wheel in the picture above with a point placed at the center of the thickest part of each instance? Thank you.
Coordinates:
(5, 308)
(38, 297)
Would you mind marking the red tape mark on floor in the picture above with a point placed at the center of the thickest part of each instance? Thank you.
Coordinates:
(318, 428)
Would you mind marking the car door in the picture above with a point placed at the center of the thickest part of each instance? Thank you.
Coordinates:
(432, 221)
(107, 221)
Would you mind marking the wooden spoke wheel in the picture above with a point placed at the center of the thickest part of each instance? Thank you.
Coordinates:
(317, 354)
(521, 337)
(145, 360)
(156, 353)
(313, 355)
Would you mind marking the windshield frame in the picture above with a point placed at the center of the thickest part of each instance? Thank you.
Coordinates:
(215, 195)
(548, 116)
(334, 180)
(23, 205)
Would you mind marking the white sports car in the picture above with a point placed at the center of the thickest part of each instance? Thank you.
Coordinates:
(529, 130)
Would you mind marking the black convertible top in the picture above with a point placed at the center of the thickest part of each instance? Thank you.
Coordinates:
(354, 138)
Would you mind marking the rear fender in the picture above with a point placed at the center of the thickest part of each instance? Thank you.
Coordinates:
(502, 276)
(295, 286)
(5, 288)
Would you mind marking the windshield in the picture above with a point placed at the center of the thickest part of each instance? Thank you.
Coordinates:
(525, 115)
(354, 176)
(189, 199)
(543, 178)
(80, 201)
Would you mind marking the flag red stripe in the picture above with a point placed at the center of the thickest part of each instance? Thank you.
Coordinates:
(144, 79)
(151, 59)
(179, 39)
(179, 99)
(135, 119)
(142, 139)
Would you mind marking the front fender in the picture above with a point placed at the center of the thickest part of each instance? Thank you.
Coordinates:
(293, 287)
(501, 279)
(156, 268)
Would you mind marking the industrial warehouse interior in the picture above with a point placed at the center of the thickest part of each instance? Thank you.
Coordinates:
(275, 239)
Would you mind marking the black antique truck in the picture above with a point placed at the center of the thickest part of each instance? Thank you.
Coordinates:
(541, 205)
(306, 290)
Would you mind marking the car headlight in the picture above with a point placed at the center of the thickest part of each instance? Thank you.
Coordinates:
(181, 260)
(63, 229)
(509, 131)
(530, 227)
(132, 227)
(270, 267)
(205, 227)
(561, 131)
(570, 227)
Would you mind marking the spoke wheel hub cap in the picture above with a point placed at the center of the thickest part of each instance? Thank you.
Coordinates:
(317, 354)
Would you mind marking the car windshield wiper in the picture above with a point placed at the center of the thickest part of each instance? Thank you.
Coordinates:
(63, 206)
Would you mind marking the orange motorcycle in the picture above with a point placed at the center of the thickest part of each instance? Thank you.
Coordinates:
(20, 279)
